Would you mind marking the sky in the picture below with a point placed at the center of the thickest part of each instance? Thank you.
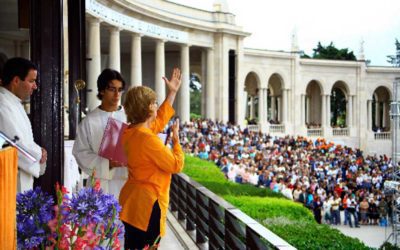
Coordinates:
(344, 22)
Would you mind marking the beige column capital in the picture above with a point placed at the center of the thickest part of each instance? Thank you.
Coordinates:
(93, 20)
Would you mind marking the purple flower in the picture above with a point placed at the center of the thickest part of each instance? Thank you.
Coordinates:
(34, 211)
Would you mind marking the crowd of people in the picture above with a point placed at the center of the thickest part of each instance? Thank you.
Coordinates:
(325, 177)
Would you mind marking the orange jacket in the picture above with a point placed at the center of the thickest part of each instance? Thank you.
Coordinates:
(150, 165)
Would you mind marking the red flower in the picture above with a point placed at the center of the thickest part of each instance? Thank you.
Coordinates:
(97, 185)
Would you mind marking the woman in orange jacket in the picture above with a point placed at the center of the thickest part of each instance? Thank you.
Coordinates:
(145, 196)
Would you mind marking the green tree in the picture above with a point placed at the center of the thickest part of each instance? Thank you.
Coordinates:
(338, 108)
(331, 52)
(395, 59)
(195, 95)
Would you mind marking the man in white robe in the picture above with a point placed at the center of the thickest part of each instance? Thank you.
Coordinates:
(112, 175)
(17, 85)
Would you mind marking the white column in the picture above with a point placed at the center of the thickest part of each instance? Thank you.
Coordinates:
(284, 105)
(210, 88)
(136, 60)
(303, 110)
(94, 64)
(369, 114)
(323, 111)
(203, 78)
(252, 109)
(260, 106)
(385, 115)
(328, 110)
(350, 112)
(308, 106)
(273, 108)
(279, 109)
(160, 70)
(246, 104)
(377, 114)
(115, 51)
(184, 95)
(265, 105)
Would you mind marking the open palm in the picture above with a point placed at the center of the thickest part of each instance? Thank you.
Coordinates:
(175, 82)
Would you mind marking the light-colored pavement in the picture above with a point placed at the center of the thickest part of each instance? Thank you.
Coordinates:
(372, 236)
(170, 242)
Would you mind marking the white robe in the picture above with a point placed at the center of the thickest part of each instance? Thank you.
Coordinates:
(86, 147)
(15, 122)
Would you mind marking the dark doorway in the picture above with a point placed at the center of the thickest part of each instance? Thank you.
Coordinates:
(232, 84)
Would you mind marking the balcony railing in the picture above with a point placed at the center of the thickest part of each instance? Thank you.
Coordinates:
(277, 128)
(340, 131)
(314, 132)
(211, 220)
(253, 128)
(382, 136)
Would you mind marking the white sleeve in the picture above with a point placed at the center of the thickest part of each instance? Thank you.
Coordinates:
(11, 128)
(85, 154)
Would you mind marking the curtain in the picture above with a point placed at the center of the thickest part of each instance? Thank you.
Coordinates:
(8, 197)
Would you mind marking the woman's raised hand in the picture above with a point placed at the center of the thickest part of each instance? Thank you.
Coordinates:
(175, 82)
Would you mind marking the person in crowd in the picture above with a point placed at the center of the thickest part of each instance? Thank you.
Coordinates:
(317, 207)
(17, 85)
(297, 192)
(145, 196)
(336, 209)
(383, 211)
(352, 210)
(345, 205)
(112, 174)
(373, 212)
(364, 211)
(327, 207)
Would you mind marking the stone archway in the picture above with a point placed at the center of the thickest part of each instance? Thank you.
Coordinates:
(275, 99)
(380, 110)
(251, 87)
(340, 105)
(313, 107)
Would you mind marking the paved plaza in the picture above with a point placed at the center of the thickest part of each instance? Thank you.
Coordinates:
(372, 236)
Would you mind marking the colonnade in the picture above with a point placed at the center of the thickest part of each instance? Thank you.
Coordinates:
(136, 70)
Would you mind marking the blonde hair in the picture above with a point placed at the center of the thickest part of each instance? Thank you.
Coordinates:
(137, 104)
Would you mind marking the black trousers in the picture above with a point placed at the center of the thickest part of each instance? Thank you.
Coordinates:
(138, 239)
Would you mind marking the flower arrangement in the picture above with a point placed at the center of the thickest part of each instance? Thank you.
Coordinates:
(88, 219)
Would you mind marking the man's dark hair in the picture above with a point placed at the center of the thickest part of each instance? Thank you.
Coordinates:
(105, 78)
(16, 66)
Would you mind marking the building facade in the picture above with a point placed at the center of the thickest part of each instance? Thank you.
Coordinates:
(343, 101)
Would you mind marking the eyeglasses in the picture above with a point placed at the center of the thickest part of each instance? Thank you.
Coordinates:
(115, 90)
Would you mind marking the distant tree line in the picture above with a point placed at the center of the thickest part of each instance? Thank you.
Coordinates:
(331, 52)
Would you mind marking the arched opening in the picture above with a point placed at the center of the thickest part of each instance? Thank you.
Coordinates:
(275, 99)
(313, 107)
(339, 112)
(380, 110)
(195, 95)
(251, 86)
